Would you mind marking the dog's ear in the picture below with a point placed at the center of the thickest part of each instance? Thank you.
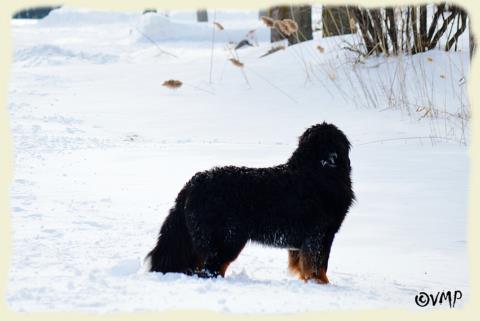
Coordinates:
(330, 161)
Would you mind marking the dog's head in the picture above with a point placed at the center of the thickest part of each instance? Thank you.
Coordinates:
(322, 147)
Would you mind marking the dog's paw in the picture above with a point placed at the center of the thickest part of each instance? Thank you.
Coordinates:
(205, 274)
(319, 277)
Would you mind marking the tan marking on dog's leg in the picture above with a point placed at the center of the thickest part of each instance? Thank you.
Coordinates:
(293, 262)
(308, 271)
(321, 276)
(223, 268)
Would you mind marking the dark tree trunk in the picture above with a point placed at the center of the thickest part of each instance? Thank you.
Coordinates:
(392, 28)
(336, 21)
(433, 25)
(364, 22)
(302, 15)
(411, 30)
(453, 41)
(416, 36)
(380, 35)
(472, 43)
(262, 12)
(442, 29)
(202, 15)
(423, 28)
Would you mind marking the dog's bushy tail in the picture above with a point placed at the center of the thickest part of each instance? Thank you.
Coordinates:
(174, 249)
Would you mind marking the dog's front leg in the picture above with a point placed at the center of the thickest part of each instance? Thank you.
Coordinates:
(313, 257)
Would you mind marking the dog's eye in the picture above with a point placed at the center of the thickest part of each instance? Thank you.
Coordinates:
(330, 161)
(332, 158)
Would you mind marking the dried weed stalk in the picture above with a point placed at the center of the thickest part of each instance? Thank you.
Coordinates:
(172, 84)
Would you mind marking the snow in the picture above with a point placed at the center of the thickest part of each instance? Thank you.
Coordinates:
(160, 28)
(70, 17)
(101, 149)
(55, 55)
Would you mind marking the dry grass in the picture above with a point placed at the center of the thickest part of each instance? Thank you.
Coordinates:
(291, 25)
(416, 88)
(250, 33)
(218, 25)
(273, 50)
(236, 62)
(352, 23)
(426, 88)
(267, 21)
(282, 26)
(286, 26)
(172, 84)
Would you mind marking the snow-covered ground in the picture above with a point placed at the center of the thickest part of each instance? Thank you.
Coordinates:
(102, 148)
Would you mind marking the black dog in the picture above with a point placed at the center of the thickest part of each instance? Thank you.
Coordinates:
(299, 205)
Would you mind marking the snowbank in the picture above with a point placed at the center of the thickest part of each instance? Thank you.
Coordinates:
(177, 26)
(43, 55)
(159, 28)
(69, 17)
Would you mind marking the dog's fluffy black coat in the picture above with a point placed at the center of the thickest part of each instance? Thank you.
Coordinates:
(299, 205)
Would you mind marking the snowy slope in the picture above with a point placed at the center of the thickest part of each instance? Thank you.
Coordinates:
(101, 150)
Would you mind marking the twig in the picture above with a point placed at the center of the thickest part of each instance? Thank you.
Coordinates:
(201, 89)
(410, 138)
(274, 86)
(213, 42)
(273, 50)
(156, 45)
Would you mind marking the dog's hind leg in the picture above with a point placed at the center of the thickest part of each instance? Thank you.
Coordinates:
(309, 269)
